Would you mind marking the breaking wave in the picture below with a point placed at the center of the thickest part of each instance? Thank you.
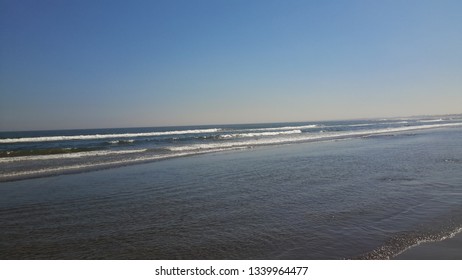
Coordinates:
(70, 155)
(305, 137)
(104, 136)
(259, 134)
(121, 141)
(23, 161)
(286, 128)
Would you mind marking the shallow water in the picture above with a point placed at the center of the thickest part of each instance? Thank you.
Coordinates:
(364, 197)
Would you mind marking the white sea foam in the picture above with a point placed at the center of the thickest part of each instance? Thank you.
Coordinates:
(121, 141)
(104, 136)
(430, 121)
(286, 128)
(77, 167)
(366, 124)
(305, 137)
(451, 234)
(195, 149)
(259, 134)
(359, 124)
(69, 155)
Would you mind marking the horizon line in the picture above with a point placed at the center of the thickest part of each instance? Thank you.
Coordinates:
(249, 123)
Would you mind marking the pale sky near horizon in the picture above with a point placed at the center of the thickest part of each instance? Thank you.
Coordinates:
(94, 64)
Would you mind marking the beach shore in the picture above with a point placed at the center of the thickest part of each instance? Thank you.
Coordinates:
(448, 249)
(326, 200)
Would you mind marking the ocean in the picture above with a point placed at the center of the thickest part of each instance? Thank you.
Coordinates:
(356, 189)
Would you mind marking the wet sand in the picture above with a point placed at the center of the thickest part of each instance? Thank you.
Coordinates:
(448, 249)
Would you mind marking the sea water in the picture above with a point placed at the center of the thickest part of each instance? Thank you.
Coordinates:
(319, 190)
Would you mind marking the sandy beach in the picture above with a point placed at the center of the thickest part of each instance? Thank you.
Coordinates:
(448, 249)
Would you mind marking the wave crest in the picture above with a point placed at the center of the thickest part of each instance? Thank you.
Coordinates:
(259, 134)
(104, 136)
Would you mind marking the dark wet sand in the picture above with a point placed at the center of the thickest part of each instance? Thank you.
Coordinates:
(448, 249)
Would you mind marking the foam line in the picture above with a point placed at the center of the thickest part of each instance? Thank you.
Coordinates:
(306, 137)
(430, 121)
(104, 136)
(70, 155)
(258, 134)
(77, 167)
(195, 149)
(285, 128)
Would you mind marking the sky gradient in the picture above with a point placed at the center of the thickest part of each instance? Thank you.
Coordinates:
(95, 64)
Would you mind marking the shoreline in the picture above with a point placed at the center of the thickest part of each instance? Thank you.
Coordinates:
(311, 201)
(447, 249)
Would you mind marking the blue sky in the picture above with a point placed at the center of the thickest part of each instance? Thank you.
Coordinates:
(92, 64)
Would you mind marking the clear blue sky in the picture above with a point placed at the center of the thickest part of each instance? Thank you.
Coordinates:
(88, 64)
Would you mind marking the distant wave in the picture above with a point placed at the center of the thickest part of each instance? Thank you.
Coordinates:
(430, 121)
(305, 137)
(39, 152)
(285, 128)
(258, 134)
(144, 155)
(121, 141)
(400, 122)
(366, 124)
(359, 124)
(104, 136)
